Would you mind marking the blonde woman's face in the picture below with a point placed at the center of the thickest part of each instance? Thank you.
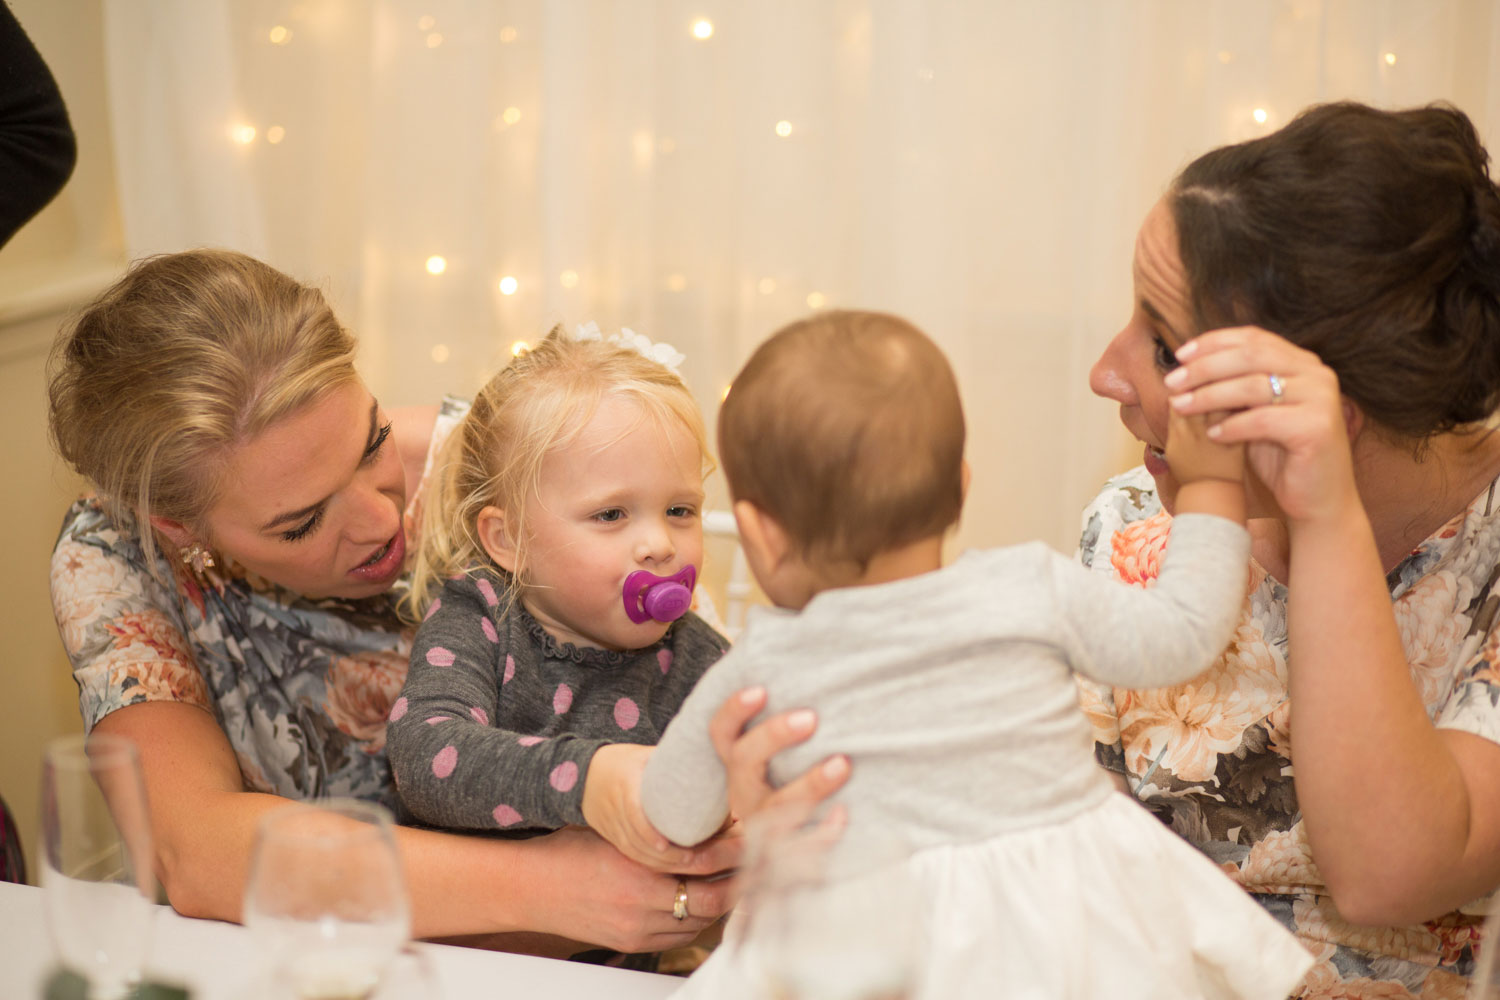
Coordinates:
(608, 504)
(314, 502)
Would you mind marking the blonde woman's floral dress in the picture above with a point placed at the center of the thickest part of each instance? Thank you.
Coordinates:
(302, 688)
(1213, 757)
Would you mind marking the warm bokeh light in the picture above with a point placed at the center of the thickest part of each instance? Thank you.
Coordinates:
(783, 128)
(703, 28)
(434, 40)
(507, 35)
(518, 347)
(1225, 56)
(275, 134)
(508, 285)
(1390, 58)
(667, 146)
(243, 134)
(280, 35)
(766, 286)
(1260, 116)
(676, 282)
(426, 22)
(440, 353)
(436, 264)
(815, 300)
(511, 115)
(568, 279)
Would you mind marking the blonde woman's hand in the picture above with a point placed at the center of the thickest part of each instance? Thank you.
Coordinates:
(1284, 405)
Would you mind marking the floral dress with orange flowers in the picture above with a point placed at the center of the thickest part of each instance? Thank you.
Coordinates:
(302, 688)
(1213, 757)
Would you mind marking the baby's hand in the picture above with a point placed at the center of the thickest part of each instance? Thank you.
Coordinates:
(612, 808)
(1193, 455)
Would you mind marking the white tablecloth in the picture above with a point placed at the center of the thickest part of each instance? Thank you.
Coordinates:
(217, 960)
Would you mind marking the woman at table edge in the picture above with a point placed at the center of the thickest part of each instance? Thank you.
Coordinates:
(217, 397)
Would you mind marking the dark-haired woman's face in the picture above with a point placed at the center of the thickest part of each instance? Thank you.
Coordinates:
(1131, 368)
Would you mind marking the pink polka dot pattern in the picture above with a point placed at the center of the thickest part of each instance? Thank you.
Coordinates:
(562, 699)
(488, 628)
(440, 657)
(445, 761)
(510, 669)
(480, 715)
(505, 815)
(664, 657)
(627, 713)
(434, 720)
(483, 586)
(433, 609)
(529, 741)
(564, 776)
(398, 709)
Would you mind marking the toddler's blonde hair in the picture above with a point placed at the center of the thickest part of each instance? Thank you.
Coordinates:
(539, 402)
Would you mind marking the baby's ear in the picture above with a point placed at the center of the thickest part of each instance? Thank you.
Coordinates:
(494, 535)
(765, 541)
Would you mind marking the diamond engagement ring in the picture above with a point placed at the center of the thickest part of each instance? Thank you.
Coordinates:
(1278, 390)
(679, 903)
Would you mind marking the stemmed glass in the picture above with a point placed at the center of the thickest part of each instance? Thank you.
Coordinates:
(326, 900)
(828, 913)
(96, 866)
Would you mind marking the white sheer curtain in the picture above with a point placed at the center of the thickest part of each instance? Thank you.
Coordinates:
(979, 166)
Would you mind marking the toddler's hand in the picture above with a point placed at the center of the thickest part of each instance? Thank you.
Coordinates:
(612, 808)
(1194, 456)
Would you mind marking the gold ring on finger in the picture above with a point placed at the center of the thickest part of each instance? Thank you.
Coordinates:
(679, 902)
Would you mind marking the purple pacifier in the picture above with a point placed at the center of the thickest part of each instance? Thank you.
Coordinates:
(664, 598)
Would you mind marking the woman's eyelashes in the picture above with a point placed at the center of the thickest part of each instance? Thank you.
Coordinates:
(374, 447)
(1166, 359)
(306, 527)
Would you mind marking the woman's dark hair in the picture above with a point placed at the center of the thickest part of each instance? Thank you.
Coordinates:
(1369, 237)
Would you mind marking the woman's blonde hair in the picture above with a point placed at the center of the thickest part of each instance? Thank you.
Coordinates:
(539, 402)
(185, 357)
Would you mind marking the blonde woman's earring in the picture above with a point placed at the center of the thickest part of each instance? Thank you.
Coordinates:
(200, 563)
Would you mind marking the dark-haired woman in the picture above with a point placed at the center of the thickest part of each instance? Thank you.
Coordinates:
(1336, 284)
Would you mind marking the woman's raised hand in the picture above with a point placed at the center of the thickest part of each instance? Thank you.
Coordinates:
(1284, 405)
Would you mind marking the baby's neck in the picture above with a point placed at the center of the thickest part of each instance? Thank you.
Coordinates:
(922, 556)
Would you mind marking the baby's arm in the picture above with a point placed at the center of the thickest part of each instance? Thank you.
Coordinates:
(1176, 627)
(684, 790)
(453, 766)
(1210, 476)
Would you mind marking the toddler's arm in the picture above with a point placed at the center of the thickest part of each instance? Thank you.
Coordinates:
(452, 765)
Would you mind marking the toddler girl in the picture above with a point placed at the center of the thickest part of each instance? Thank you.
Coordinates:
(950, 688)
(564, 529)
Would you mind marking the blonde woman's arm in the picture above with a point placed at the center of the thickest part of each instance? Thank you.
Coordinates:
(564, 888)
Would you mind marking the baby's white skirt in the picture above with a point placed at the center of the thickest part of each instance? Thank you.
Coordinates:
(1108, 904)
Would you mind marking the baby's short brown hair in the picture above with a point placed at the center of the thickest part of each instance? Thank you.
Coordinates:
(847, 429)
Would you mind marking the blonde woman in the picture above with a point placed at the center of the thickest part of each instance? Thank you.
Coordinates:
(227, 599)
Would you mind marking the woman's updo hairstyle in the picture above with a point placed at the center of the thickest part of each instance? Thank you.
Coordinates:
(1369, 237)
(186, 356)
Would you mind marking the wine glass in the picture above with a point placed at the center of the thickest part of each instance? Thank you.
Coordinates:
(96, 859)
(829, 913)
(326, 900)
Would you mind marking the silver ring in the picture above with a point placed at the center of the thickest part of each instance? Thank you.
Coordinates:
(1278, 389)
(679, 902)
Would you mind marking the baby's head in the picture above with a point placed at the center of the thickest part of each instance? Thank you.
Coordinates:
(578, 463)
(846, 429)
